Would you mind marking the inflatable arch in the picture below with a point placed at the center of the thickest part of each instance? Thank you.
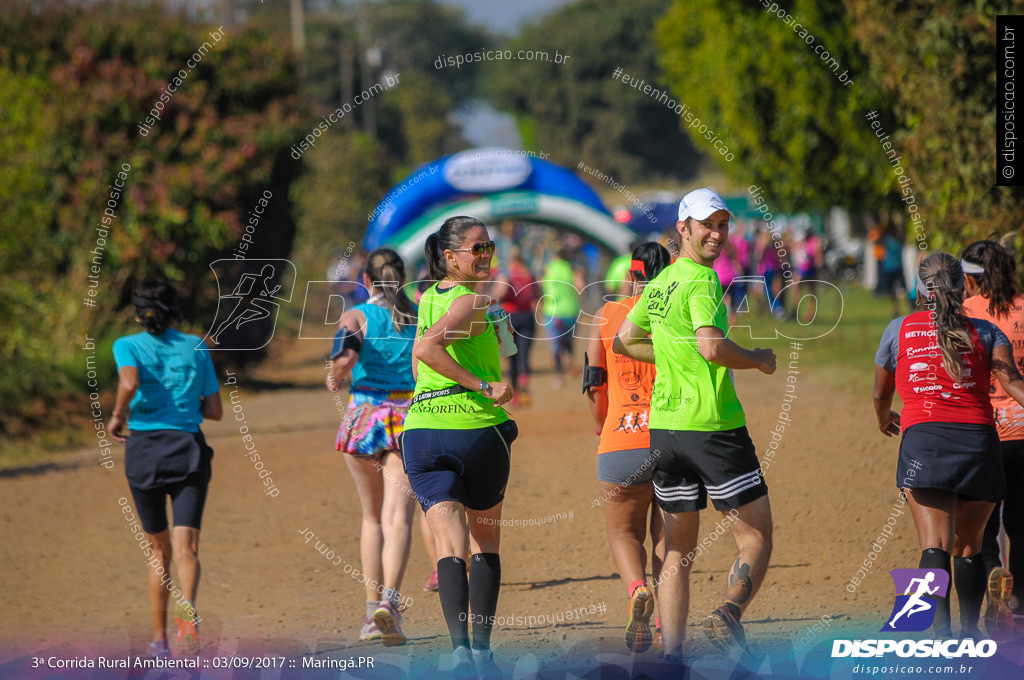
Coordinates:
(491, 184)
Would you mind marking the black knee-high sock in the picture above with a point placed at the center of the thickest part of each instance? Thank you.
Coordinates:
(453, 588)
(990, 542)
(484, 584)
(969, 579)
(933, 558)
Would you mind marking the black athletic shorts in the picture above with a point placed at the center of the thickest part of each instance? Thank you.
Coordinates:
(162, 463)
(188, 498)
(689, 466)
(467, 466)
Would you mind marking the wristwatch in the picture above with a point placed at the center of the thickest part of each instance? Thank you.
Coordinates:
(484, 385)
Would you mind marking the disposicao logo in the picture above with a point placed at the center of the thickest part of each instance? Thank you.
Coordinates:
(914, 611)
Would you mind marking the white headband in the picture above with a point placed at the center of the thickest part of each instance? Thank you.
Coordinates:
(923, 290)
(971, 267)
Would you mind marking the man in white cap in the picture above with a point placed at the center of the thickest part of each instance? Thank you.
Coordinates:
(697, 424)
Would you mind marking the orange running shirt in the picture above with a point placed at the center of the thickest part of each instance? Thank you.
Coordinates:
(1008, 413)
(630, 383)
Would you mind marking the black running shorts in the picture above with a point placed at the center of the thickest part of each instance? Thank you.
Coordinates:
(689, 466)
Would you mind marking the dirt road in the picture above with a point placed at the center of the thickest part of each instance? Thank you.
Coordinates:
(74, 577)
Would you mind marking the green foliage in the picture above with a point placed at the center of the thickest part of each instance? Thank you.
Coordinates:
(346, 175)
(937, 62)
(795, 129)
(76, 82)
(421, 110)
(414, 33)
(578, 111)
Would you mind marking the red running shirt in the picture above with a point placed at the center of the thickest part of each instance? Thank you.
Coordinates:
(910, 349)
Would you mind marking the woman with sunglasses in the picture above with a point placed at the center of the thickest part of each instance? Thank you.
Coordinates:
(619, 391)
(950, 466)
(457, 437)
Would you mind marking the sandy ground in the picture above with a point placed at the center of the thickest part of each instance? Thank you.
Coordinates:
(73, 576)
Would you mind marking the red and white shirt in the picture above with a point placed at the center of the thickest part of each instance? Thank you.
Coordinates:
(909, 348)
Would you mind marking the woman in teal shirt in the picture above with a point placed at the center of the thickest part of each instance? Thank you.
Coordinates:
(168, 384)
(374, 344)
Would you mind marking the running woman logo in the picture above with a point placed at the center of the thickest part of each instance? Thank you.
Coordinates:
(914, 611)
(247, 316)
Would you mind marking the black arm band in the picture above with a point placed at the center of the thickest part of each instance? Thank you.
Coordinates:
(345, 339)
(593, 376)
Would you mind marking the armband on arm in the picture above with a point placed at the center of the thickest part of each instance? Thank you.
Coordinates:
(345, 339)
(593, 376)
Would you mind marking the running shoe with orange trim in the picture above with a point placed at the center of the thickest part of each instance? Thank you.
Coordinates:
(998, 617)
(188, 627)
(638, 630)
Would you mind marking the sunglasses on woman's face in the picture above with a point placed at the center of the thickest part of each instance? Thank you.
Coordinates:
(478, 249)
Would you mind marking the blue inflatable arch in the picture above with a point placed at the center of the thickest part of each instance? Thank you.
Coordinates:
(491, 184)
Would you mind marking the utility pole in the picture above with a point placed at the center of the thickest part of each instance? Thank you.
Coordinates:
(298, 27)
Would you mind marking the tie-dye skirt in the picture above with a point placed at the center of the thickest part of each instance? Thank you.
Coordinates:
(373, 421)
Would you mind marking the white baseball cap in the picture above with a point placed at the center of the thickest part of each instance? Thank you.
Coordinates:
(701, 204)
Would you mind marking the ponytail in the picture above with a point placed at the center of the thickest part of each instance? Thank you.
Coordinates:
(436, 266)
(156, 305)
(386, 271)
(944, 280)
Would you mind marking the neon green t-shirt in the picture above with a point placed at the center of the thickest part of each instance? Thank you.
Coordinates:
(561, 299)
(477, 354)
(690, 393)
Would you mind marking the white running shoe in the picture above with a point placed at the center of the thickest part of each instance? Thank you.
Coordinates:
(369, 630)
(462, 663)
(389, 623)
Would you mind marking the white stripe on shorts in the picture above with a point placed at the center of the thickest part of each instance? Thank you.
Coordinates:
(735, 486)
(690, 492)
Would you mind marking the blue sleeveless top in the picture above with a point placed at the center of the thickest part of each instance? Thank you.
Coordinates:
(385, 360)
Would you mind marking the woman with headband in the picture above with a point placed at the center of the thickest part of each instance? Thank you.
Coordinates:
(619, 391)
(950, 466)
(457, 438)
(168, 385)
(991, 280)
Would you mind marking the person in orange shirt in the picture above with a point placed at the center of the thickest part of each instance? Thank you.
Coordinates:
(991, 279)
(619, 391)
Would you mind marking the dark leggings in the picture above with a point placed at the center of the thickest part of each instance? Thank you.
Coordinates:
(188, 497)
(1012, 515)
(524, 326)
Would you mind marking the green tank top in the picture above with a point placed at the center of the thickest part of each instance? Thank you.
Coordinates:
(477, 354)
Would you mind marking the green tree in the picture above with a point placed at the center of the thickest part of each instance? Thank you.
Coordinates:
(937, 63)
(345, 177)
(795, 129)
(414, 34)
(576, 110)
(91, 76)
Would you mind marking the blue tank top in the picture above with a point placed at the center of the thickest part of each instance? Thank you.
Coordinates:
(385, 360)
